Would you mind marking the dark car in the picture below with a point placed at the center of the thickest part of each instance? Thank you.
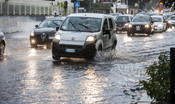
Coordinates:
(122, 22)
(45, 31)
(2, 43)
(140, 24)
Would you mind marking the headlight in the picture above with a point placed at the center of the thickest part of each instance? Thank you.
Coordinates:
(129, 25)
(32, 34)
(160, 25)
(169, 21)
(146, 26)
(90, 39)
(126, 24)
(58, 36)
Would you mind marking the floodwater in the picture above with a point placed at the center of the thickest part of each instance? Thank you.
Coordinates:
(29, 75)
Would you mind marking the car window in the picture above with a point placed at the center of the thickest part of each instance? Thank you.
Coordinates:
(157, 19)
(50, 23)
(141, 19)
(122, 19)
(172, 18)
(83, 24)
(105, 24)
(111, 23)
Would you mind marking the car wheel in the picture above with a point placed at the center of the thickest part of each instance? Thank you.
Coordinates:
(2, 48)
(55, 58)
(49, 45)
(128, 33)
(114, 46)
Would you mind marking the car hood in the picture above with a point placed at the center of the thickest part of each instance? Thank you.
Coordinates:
(74, 36)
(49, 31)
(157, 23)
(140, 23)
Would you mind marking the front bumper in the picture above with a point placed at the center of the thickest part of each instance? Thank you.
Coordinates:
(141, 30)
(121, 29)
(158, 29)
(39, 40)
(85, 51)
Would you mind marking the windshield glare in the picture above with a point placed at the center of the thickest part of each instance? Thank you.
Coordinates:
(141, 19)
(83, 24)
(122, 19)
(172, 18)
(157, 19)
(50, 23)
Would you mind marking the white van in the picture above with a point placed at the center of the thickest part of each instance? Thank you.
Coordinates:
(83, 34)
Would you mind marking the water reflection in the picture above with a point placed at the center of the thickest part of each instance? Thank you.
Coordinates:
(32, 52)
(31, 80)
(161, 36)
(127, 39)
(92, 87)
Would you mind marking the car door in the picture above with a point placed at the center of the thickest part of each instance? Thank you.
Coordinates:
(112, 31)
(106, 33)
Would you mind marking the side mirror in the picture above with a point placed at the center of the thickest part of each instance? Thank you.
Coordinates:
(152, 22)
(57, 28)
(128, 21)
(36, 26)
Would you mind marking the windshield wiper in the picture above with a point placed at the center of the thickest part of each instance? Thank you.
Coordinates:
(75, 26)
(86, 27)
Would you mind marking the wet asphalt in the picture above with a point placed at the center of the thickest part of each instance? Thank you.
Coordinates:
(30, 75)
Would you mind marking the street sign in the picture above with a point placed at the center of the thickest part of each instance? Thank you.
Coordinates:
(77, 4)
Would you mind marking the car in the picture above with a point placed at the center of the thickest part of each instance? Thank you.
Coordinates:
(115, 15)
(2, 43)
(122, 22)
(83, 35)
(171, 22)
(45, 31)
(140, 24)
(159, 23)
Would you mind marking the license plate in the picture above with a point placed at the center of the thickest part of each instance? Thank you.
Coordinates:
(137, 27)
(70, 50)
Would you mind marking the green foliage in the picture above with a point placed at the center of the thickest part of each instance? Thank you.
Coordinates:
(158, 84)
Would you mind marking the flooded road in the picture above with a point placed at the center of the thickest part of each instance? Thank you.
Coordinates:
(29, 75)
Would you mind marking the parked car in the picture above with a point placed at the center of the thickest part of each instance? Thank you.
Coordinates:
(2, 43)
(122, 22)
(83, 35)
(45, 31)
(171, 22)
(140, 24)
(159, 23)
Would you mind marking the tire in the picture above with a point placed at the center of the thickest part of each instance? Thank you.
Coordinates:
(113, 46)
(56, 58)
(128, 33)
(49, 45)
(2, 49)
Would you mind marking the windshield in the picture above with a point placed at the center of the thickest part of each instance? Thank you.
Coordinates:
(157, 19)
(122, 19)
(50, 23)
(141, 19)
(83, 24)
(172, 18)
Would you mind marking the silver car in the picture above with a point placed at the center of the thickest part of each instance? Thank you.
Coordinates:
(83, 34)
(2, 43)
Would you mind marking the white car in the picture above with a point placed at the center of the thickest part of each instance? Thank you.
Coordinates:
(83, 34)
(159, 23)
(171, 22)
